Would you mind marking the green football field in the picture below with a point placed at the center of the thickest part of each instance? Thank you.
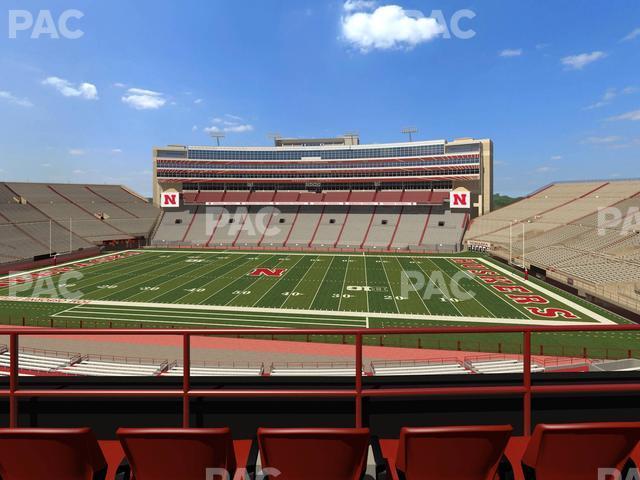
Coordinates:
(196, 289)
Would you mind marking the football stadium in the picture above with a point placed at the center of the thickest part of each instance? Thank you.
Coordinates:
(323, 306)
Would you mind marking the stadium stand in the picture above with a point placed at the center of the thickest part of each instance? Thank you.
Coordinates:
(38, 219)
(416, 367)
(336, 221)
(310, 369)
(582, 234)
(500, 366)
(218, 370)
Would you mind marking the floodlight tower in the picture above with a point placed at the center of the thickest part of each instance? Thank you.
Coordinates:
(217, 136)
(410, 131)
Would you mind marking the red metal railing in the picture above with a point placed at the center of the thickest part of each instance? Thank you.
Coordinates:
(526, 389)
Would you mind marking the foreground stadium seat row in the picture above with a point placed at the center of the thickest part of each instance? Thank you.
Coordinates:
(554, 452)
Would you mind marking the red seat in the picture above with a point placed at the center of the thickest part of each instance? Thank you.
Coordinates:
(454, 453)
(177, 453)
(577, 451)
(314, 453)
(50, 453)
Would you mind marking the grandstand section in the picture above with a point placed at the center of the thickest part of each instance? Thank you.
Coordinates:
(585, 235)
(40, 220)
(322, 194)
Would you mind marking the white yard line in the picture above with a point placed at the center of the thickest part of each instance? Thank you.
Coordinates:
(277, 311)
(566, 301)
(419, 296)
(321, 282)
(393, 294)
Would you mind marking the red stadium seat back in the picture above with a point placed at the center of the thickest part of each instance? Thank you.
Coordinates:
(48, 453)
(577, 451)
(314, 453)
(454, 453)
(177, 453)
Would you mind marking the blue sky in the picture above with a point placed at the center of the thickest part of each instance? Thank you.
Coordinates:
(556, 84)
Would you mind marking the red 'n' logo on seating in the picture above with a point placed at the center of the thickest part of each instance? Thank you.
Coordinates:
(268, 272)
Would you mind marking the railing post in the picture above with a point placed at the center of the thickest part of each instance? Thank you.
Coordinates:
(358, 380)
(186, 372)
(527, 383)
(13, 380)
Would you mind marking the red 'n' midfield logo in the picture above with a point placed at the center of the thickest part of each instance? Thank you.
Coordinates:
(267, 272)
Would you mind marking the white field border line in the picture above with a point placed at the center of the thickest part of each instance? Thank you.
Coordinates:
(127, 310)
(285, 252)
(219, 319)
(596, 316)
(316, 313)
(73, 262)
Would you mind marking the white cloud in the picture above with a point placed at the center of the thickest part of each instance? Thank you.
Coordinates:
(119, 85)
(542, 46)
(609, 95)
(229, 126)
(11, 98)
(545, 169)
(358, 5)
(578, 62)
(76, 152)
(633, 116)
(198, 101)
(86, 91)
(603, 140)
(142, 99)
(194, 128)
(386, 27)
(511, 52)
(116, 151)
(632, 35)
(556, 157)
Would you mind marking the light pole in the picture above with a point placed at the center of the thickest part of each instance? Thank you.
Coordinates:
(409, 131)
(217, 136)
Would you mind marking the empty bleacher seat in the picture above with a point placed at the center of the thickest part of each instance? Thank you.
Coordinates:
(34, 362)
(315, 453)
(417, 368)
(175, 453)
(312, 370)
(502, 366)
(452, 453)
(48, 454)
(577, 451)
(98, 368)
(216, 371)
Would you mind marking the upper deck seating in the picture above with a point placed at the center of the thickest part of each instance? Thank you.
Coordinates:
(315, 453)
(452, 453)
(175, 453)
(577, 451)
(50, 453)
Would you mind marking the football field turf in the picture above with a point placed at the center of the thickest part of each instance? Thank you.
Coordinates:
(162, 288)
